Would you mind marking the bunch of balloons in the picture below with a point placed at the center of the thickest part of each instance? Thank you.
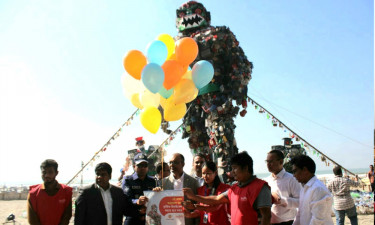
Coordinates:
(162, 77)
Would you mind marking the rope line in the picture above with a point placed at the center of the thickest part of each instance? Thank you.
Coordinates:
(321, 125)
(310, 145)
(104, 146)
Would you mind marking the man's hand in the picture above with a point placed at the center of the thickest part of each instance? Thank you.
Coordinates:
(142, 200)
(188, 214)
(188, 205)
(157, 189)
(276, 198)
(142, 210)
(188, 193)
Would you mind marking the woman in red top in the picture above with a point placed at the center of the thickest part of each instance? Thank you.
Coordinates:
(213, 215)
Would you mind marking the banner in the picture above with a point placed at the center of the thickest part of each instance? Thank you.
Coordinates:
(165, 208)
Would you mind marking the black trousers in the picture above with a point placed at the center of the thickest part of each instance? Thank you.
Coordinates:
(284, 223)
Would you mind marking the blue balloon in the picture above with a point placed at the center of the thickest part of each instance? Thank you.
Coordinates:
(153, 77)
(156, 52)
(166, 93)
(202, 73)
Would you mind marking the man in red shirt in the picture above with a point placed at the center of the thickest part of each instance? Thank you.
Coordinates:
(49, 203)
(250, 198)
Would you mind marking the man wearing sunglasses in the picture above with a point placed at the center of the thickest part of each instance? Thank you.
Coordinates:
(135, 184)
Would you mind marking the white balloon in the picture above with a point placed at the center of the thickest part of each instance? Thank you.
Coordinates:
(149, 99)
(130, 85)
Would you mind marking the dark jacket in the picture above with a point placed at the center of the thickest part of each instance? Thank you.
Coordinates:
(90, 209)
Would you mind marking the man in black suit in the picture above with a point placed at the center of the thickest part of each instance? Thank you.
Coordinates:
(102, 203)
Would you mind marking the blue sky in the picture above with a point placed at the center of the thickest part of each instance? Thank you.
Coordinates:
(61, 63)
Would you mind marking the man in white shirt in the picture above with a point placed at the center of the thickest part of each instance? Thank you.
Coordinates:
(315, 200)
(198, 162)
(179, 179)
(285, 190)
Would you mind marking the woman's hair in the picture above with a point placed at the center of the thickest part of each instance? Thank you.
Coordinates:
(212, 166)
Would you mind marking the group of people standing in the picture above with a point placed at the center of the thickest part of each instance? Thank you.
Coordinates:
(281, 198)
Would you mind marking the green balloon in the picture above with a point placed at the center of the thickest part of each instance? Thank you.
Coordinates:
(166, 93)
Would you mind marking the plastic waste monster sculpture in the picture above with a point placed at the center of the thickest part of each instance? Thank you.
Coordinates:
(209, 124)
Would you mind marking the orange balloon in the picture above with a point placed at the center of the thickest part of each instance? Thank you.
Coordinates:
(172, 73)
(133, 62)
(185, 68)
(173, 56)
(186, 50)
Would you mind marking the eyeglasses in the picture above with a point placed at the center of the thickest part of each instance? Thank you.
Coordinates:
(174, 162)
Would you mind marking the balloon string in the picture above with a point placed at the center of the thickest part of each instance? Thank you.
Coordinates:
(169, 136)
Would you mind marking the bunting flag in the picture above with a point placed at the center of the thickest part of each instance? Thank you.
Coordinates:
(304, 144)
(105, 146)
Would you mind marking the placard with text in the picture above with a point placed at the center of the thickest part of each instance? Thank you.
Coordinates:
(165, 208)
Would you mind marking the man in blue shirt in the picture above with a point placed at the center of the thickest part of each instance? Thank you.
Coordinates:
(135, 184)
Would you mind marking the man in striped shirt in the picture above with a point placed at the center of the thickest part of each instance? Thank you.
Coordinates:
(342, 200)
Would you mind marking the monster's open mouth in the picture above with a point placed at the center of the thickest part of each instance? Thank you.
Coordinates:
(190, 21)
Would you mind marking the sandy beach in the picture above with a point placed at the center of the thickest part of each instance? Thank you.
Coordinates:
(18, 208)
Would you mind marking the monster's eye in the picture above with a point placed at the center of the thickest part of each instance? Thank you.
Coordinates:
(198, 11)
(181, 14)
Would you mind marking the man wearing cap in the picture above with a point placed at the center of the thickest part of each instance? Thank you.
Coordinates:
(135, 184)
(140, 143)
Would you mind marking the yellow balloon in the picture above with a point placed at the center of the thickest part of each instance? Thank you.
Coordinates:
(168, 41)
(174, 112)
(148, 98)
(163, 101)
(135, 101)
(187, 75)
(167, 102)
(184, 92)
(151, 119)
